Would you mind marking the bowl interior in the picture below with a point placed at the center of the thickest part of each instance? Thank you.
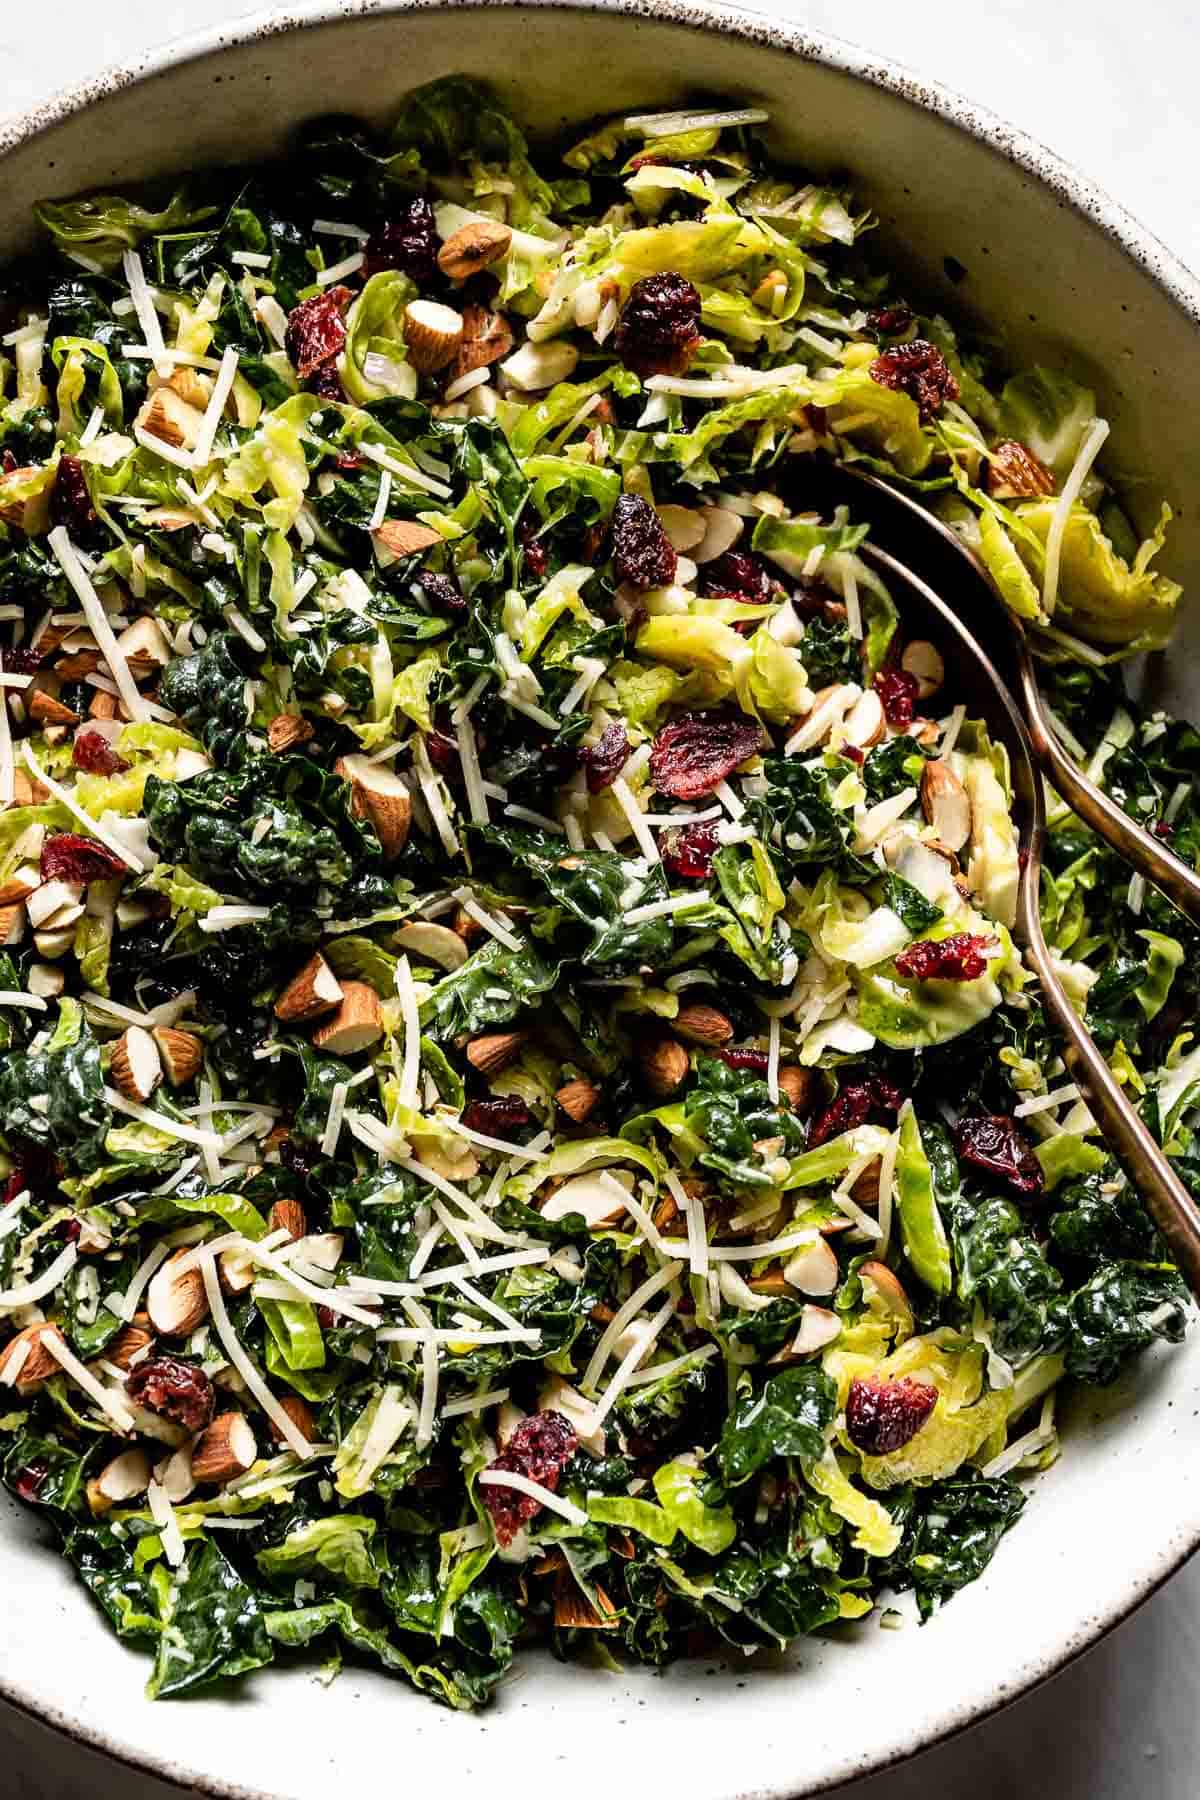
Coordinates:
(1049, 266)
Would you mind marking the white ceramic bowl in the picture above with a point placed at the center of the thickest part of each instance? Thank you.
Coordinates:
(1067, 276)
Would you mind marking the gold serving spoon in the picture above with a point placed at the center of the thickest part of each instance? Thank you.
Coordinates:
(975, 677)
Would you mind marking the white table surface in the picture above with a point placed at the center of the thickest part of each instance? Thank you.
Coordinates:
(1111, 87)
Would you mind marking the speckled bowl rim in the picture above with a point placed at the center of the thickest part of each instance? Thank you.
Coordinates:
(1072, 189)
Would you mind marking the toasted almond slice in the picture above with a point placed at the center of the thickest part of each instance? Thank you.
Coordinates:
(191, 387)
(357, 1022)
(167, 416)
(487, 336)
(946, 805)
(180, 1052)
(773, 1282)
(12, 924)
(684, 526)
(20, 884)
(27, 792)
(818, 1328)
(578, 1099)
(924, 661)
(722, 529)
(432, 334)
(103, 706)
(378, 795)
(136, 1066)
(286, 731)
(494, 1050)
(596, 1201)
(315, 990)
(176, 1303)
(865, 1189)
(44, 709)
(130, 1343)
(701, 1024)
(288, 1215)
(300, 1413)
(797, 1085)
(435, 943)
(473, 247)
(877, 1275)
(45, 981)
(50, 898)
(124, 1478)
(226, 1449)
(175, 1476)
(398, 538)
(535, 367)
(864, 724)
(26, 1362)
(144, 641)
(814, 1270)
(573, 1611)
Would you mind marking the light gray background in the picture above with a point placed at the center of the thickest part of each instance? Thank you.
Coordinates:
(1110, 86)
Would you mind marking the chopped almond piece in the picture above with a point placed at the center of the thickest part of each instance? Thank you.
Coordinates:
(180, 1051)
(494, 1050)
(378, 795)
(136, 1066)
(315, 990)
(176, 1303)
(357, 1022)
(226, 1449)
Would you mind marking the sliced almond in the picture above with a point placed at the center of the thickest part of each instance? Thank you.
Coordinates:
(288, 1215)
(535, 367)
(559, 1396)
(191, 386)
(180, 1052)
(924, 661)
(865, 1189)
(1015, 473)
(487, 336)
(473, 247)
(573, 1611)
(103, 706)
(31, 515)
(124, 1478)
(596, 1201)
(45, 981)
(44, 709)
(664, 1063)
(864, 725)
(814, 1270)
(12, 924)
(176, 1303)
(433, 943)
(465, 927)
(578, 1099)
(20, 885)
(432, 334)
(946, 805)
(75, 668)
(378, 795)
(174, 1475)
(797, 1085)
(27, 792)
(818, 1328)
(226, 1449)
(773, 1282)
(26, 1362)
(701, 1024)
(131, 1343)
(357, 1022)
(286, 731)
(167, 416)
(145, 642)
(891, 1293)
(830, 705)
(315, 990)
(684, 526)
(494, 1050)
(398, 538)
(136, 1066)
(300, 1413)
(722, 529)
(51, 898)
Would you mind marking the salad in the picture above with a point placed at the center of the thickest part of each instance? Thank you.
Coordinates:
(522, 1116)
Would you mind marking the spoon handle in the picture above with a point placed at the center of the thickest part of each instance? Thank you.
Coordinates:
(1147, 854)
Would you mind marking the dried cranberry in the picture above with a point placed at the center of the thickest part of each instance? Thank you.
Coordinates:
(315, 331)
(409, 242)
(30, 1480)
(350, 460)
(70, 500)
(327, 383)
(69, 1231)
(1162, 829)
(442, 592)
(536, 555)
(641, 550)
(919, 370)
(326, 1318)
(498, 1117)
(857, 1100)
(443, 753)
(540, 1448)
(995, 1142)
(890, 321)
(756, 1060)
(741, 574)
(957, 958)
(21, 659)
(898, 690)
(882, 1416)
(659, 327)
(174, 1389)
(8, 463)
(605, 759)
(853, 754)
(689, 851)
(76, 858)
(93, 752)
(694, 754)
